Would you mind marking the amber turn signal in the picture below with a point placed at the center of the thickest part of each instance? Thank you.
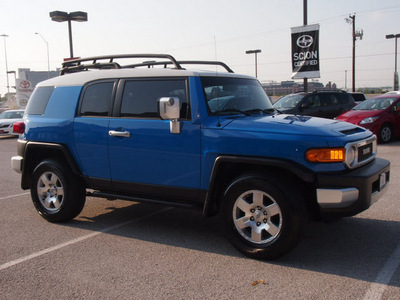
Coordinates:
(326, 155)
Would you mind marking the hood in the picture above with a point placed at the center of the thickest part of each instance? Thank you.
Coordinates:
(292, 124)
(356, 116)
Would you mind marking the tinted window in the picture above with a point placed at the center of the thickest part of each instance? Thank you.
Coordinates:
(343, 98)
(38, 101)
(96, 99)
(312, 101)
(140, 97)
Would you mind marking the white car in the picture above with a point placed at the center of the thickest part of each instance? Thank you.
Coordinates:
(7, 120)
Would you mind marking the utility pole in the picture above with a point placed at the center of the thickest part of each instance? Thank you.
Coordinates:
(356, 34)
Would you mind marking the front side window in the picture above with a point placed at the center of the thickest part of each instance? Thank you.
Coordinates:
(140, 97)
(226, 95)
(96, 99)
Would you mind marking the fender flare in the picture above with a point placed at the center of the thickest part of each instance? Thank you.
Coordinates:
(301, 172)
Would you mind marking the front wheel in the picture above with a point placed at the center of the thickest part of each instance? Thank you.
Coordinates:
(385, 134)
(261, 220)
(58, 195)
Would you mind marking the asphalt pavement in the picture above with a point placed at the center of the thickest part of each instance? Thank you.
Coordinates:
(126, 250)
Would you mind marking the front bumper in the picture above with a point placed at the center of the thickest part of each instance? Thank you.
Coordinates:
(16, 163)
(347, 194)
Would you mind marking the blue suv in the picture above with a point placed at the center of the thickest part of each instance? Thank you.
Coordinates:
(156, 132)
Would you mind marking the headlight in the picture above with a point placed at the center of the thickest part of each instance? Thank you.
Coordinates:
(351, 155)
(368, 120)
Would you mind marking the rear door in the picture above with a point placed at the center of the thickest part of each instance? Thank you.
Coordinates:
(91, 129)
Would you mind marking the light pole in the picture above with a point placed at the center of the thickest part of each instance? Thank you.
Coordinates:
(396, 76)
(255, 55)
(5, 52)
(48, 57)
(61, 16)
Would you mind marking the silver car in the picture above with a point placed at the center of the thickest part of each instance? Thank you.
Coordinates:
(7, 120)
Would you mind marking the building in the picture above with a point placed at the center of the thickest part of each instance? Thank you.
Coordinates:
(289, 87)
(26, 83)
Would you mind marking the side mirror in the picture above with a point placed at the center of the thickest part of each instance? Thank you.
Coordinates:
(169, 109)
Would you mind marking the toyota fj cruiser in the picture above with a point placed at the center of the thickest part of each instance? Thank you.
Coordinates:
(156, 132)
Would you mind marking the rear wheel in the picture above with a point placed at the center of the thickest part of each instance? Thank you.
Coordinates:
(58, 195)
(261, 220)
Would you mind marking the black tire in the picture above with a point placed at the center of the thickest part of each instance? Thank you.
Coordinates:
(385, 134)
(58, 195)
(260, 218)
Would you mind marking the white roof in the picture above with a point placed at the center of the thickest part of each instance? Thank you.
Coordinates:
(81, 78)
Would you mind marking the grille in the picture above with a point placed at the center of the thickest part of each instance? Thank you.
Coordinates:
(365, 152)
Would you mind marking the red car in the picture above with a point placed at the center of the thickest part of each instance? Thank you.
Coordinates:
(379, 114)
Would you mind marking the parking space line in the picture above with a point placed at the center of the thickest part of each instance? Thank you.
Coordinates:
(12, 196)
(376, 290)
(74, 241)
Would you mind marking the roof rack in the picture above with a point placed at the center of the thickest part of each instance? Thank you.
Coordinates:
(107, 62)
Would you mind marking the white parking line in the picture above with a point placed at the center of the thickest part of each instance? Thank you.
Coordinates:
(376, 290)
(13, 196)
(74, 241)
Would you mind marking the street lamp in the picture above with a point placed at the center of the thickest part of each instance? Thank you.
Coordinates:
(5, 52)
(61, 16)
(255, 55)
(48, 57)
(396, 76)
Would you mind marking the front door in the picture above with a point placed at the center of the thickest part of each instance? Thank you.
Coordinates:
(143, 153)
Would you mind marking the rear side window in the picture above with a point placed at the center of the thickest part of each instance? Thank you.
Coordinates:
(96, 99)
(344, 98)
(38, 101)
(140, 97)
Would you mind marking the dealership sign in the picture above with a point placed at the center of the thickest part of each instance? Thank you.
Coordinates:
(24, 92)
(305, 52)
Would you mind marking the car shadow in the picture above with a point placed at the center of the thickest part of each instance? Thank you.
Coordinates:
(351, 247)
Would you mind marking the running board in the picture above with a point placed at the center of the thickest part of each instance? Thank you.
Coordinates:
(110, 196)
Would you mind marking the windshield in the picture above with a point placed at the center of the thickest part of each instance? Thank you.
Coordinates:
(234, 95)
(289, 101)
(12, 115)
(375, 104)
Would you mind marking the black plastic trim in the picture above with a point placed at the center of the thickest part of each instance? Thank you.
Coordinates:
(365, 179)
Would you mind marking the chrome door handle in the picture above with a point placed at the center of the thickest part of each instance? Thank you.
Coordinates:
(119, 133)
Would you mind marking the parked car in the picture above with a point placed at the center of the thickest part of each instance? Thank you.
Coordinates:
(379, 114)
(358, 97)
(7, 120)
(204, 140)
(3, 107)
(324, 104)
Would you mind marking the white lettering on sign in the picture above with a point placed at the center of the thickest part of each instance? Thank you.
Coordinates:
(305, 55)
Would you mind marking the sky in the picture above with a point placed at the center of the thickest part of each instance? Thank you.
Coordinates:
(206, 30)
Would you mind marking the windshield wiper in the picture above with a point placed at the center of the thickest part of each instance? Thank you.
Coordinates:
(259, 110)
(227, 111)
